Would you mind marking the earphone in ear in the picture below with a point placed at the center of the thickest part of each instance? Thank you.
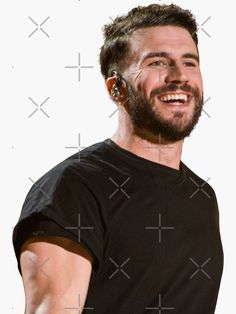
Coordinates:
(115, 92)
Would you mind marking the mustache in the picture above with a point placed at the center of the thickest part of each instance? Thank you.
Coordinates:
(172, 88)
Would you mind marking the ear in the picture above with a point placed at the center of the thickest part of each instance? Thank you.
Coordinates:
(111, 82)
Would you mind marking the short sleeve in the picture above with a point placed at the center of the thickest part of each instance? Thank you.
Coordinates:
(34, 226)
(69, 199)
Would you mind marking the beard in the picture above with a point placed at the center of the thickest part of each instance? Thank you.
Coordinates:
(145, 119)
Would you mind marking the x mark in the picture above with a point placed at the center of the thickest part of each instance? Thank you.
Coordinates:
(38, 26)
(119, 187)
(199, 187)
(119, 268)
(200, 268)
(39, 107)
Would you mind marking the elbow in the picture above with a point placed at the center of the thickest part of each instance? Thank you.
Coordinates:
(36, 307)
(46, 305)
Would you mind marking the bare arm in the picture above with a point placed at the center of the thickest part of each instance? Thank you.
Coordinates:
(56, 274)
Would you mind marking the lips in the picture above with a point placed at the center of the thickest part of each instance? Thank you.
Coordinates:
(175, 98)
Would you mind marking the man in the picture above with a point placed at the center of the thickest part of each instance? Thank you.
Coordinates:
(122, 227)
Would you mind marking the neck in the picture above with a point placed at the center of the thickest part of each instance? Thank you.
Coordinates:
(147, 146)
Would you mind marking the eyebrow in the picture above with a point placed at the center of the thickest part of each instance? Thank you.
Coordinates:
(163, 54)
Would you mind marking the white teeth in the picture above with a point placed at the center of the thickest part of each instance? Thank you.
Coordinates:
(174, 97)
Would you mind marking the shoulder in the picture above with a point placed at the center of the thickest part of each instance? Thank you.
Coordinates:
(198, 182)
(81, 166)
(75, 177)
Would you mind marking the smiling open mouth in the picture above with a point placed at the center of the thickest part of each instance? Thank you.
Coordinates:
(177, 99)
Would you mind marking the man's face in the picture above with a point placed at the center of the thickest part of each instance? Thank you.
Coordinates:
(164, 82)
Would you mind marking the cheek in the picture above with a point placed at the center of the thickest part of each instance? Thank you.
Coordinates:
(196, 78)
(147, 81)
(199, 86)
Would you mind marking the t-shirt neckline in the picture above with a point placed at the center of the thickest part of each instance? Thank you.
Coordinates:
(155, 169)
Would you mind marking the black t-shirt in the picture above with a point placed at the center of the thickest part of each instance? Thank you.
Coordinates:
(153, 231)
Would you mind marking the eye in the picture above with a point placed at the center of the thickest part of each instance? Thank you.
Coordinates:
(159, 63)
(190, 64)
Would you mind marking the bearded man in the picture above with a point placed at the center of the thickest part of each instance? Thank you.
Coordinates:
(120, 228)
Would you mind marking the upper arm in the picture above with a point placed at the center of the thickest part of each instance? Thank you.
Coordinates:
(56, 273)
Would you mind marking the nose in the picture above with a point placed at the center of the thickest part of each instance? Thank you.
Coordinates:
(176, 74)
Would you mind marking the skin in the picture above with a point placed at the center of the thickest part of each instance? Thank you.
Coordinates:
(179, 66)
(55, 272)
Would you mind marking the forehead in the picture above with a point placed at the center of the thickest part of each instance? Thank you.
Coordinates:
(174, 40)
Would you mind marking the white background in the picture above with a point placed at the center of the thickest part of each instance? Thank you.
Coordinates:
(34, 66)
